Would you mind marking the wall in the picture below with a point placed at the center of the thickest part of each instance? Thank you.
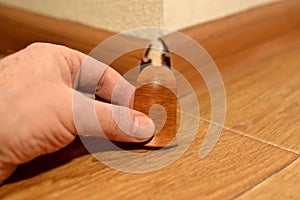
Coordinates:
(120, 15)
(114, 15)
(190, 12)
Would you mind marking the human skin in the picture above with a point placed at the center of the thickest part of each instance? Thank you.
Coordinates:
(36, 86)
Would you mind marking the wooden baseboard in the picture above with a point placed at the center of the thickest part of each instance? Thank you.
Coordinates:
(20, 28)
(221, 37)
(225, 39)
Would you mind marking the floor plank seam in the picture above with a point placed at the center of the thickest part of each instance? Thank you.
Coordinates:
(265, 179)
(264, 142)
(248, 136)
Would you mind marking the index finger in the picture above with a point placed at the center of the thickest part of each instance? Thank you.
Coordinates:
(95, 77)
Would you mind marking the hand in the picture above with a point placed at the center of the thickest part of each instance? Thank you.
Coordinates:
(36, 86)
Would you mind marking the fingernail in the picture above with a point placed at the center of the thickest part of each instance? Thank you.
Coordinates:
(143, 127)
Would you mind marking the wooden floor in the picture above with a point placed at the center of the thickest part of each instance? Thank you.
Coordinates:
(258, 153)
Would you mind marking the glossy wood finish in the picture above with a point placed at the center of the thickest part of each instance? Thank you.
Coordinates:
(20, 28)
(156, 96)
(257, 155)
(233, 167)
(261, 81)
(283, 185)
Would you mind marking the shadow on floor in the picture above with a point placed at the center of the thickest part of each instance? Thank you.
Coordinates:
(74, 150)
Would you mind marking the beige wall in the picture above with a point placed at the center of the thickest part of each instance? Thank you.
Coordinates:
(114, 15)
(190, 12)
(120, 15)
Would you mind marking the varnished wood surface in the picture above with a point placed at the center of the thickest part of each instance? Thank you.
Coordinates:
(20, 28)
(286, 180)
(233, 167)
(156, 96)
(257, 154)
(262, 81)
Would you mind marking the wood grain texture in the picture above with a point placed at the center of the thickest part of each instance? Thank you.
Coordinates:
(156, 96)
(262, 99)
(283, 185)
(20, 28)
(226, 38)
(257, 52)
(233, 166)
(261, 81)
(268, 95)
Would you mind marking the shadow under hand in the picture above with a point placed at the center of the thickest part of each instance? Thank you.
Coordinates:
(74, 150)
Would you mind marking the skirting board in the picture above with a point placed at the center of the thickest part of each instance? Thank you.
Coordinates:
(221, 38)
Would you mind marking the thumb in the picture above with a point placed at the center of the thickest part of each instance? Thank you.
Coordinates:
(117, 123)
